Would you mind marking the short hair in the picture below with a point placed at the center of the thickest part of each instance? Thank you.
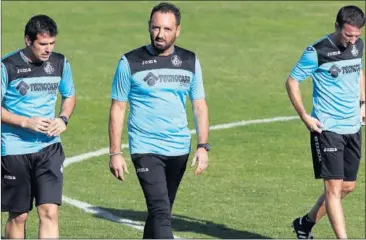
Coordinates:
(351, 15)
(40, 24)
(165, 7)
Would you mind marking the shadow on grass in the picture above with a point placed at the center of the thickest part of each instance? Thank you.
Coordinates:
(179, 223)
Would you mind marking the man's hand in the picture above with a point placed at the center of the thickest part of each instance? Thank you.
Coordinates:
(38, 124)
(57, 127)
(312, 124)
(363, 120)
(201, 156)
(117, 166)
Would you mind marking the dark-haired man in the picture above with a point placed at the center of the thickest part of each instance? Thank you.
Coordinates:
(31, 151)
(335, 65)
(155, 80)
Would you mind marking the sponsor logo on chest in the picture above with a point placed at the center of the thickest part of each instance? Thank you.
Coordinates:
(152, 79)
(335, 70)
(24, 88)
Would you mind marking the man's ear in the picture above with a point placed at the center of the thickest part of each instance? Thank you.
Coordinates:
(178, 31)
(336, 26)
(27, 41)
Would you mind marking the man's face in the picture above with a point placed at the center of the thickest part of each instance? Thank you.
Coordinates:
(42, 47)
(348, 34)
(163, 30)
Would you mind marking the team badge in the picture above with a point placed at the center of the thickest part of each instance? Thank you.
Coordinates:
(176, 61)
(49, 68)
(354, 50)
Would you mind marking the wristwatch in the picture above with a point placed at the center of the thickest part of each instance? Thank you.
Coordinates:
(65, 119)
(362, 102)
(206, 146)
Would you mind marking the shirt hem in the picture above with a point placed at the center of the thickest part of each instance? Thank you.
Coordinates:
(3, 154)
(168, 154)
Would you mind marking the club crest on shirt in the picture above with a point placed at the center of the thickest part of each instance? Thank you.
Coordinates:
(354, 50)
(176, 61)
(49, 68)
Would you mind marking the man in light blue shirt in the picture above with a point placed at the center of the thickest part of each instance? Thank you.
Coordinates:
(335, 65)
(31, 151)
(155, 80)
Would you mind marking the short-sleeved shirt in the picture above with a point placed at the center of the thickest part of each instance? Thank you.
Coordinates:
(31, 90)
(336, 74)
(156, 88)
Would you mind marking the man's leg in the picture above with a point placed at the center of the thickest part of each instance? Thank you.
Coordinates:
(148, 228)
(150, 170)
(175, 168)
(351, 163)
(15, 226)
(352, 156)
(318, 211)
(16, 193)
(48, 221)
(48, 165)
(328, 162)
(333, 204)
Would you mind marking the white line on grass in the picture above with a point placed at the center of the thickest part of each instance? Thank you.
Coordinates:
(105, 214)
(102, 213)
(85, 156)
(104, 151)
(138, 225)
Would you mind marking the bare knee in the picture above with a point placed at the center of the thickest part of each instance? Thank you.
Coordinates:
(48, 212)
(333, 188)
(347, 188)
(18, 218)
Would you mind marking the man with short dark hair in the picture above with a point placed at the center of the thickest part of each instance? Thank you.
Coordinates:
(155, 80)
(335, 65)
(31, 151)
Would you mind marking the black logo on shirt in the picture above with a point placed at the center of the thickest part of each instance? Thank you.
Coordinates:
(182, 79)
(151, 79)
(51, 88)
(334, 71)
(22, 88)
(351, 69)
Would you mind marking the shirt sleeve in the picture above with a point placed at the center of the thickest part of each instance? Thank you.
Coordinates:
(122, 81)
(307, 65)
(196, 90)
(66, 87)
(4, 81)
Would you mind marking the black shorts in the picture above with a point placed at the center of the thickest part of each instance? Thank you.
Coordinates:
(336, 156)
(28, 176)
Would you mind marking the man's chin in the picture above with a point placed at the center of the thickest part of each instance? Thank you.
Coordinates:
(160, 47)
(43, 59)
